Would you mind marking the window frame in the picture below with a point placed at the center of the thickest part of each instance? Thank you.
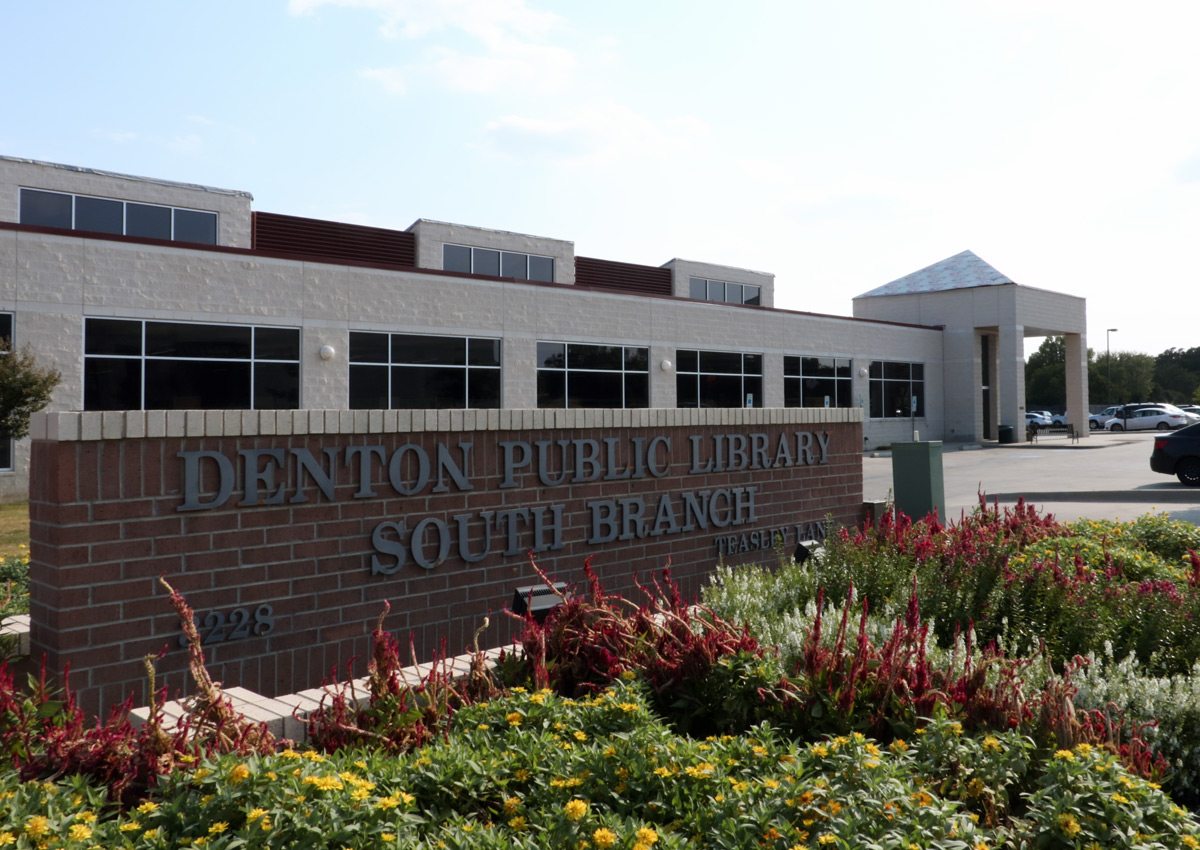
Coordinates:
(391, 365)
(567, 370)
(842, 384)
(880, 382)
(252, 361)
(683, 371)
(75, 196)
(713, 287)
(503, 254)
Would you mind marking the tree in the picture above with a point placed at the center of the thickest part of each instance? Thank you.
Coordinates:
(25, 388)
(1046, 374)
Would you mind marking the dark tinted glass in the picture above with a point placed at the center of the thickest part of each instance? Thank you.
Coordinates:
(818, 390)
(791, 366)
(112, 336)
(46, 209)
(876, 370)
(483, 352)
(791, 393)
(752, 392)
(276, 386)
(729, 362)
(369, 388)
(192, 226)
(487, 262)
(686, 360)
(918, 371)
(685, 391)
(698, 288)
(637, 359)
(177, 339)
(720, 391)
(514, 265)
(818, 367)
(896, 371)
(876, 399)
(197, 385)
(594, 357)
(752, 364)
(456, 258)
(368, 347)
(99, 215)
(552, 389)
(716, 290)
(6, 329)
(440, 350)
(276, 344)
(431, 387)
(541, 268)
(594, 389)
(148, 221)
(483, 388)
(551, 355)
(751, 294)
(637, 390)
(112, 384)
(733, 293)
(842, 368)
(6, 461)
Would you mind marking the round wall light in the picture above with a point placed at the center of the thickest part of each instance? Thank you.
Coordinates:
(326, 352)
(862, 373)
(665, 365)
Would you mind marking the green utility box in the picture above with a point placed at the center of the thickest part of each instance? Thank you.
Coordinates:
(1005, 434)
(917, 478)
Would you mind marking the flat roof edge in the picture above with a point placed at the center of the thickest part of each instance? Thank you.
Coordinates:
(237, 193)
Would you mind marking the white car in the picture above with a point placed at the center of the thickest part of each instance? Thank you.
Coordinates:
(1097, 420)
(1149, 418)
(1035, 419)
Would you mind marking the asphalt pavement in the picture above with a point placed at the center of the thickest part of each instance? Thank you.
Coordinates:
(1104, 475)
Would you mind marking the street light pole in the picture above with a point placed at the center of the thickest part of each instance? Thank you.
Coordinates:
(1108, 344)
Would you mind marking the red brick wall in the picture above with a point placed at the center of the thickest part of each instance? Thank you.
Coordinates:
(106, 523)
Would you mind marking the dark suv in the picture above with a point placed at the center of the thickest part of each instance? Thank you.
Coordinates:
(1178, 454)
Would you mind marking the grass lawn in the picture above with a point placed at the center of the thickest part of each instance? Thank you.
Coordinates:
(14, 528)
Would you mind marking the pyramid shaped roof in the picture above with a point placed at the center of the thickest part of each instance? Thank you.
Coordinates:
(962, 271)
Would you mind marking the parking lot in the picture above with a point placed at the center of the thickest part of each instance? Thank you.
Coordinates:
(1102, 476)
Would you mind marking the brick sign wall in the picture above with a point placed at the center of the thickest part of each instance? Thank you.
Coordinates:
(287, 531)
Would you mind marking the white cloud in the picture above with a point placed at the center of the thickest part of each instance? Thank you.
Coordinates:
(510, 51)
(601, 133)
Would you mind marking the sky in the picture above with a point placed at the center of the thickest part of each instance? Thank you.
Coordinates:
(836, 145)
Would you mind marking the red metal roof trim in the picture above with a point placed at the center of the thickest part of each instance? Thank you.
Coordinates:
(312, 237)
(622, 277)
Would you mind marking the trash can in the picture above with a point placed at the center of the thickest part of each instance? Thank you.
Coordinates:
(1005, 434)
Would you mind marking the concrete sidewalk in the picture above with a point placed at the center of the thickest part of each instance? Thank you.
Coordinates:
(1104, 475)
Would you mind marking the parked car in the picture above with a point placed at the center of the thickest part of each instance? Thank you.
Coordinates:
(1190, 408)
(1147, 418)
(1035, 420)
(1178, 454)
(1060, 420)
(1096, 420)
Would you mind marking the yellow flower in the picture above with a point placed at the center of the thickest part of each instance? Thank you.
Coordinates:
(1190, 841)
(255, 814)
(628, 706)
(646, 835)
(517, 824)
(992, 743)
(581, 736)
(131, 826)
(239, 774)
(1064, 755)
(37, 826)
(1119, 798)
(826, 838)
(604, 837)
(899, 745)
(514, 718)
(521, 775)
(7, 838)
(575, 809)
(819, 750)
(218, 827)
(1069, 825)
(150, 834)
(147, 807)
(975, 787)
(388, 836)
(80, 832)
(86, 817)
(512, 805)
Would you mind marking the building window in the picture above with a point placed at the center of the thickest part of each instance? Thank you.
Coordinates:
(461, 258)
(575, 374)
(703, 289)
(146, 365)
(415, 371)
(897, 390)
(6, 338)
(124, 218)
(718, 379)
(816, 382)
